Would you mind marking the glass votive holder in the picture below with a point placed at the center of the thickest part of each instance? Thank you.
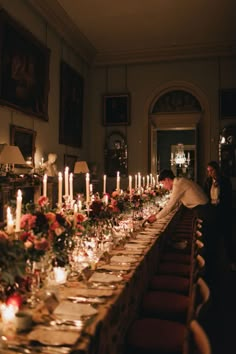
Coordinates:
(60, 275)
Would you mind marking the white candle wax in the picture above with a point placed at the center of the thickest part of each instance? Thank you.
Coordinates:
(45, 177)
(60, 275)
(79, 205)
(135, 181)
(59, 188)
(66, 181)
(8, 313)
(71, 186)
(90, 188)
(10, 222)
(118, 181)
(18, 209)
(87, 179)
(139, 180)
(130, 184)
(143, 182)
(147, 181)
(105, 199)
(104, 184)
(75, 213)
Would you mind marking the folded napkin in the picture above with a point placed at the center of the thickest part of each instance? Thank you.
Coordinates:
(87, 292)
(53, 337)
(68, 310)
(104, 278)
(134, 246)
(123, 259)
(114, 267)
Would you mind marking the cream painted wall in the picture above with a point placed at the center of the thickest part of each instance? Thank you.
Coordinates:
(47, 132)
(144, 82)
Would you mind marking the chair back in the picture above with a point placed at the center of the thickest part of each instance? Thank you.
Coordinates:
(198, 342)
(203, 293)
(200, 297)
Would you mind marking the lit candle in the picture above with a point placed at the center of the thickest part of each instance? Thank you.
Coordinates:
(59, 189)
(157, 179)
(118, 181)
(45, 177)
(71, 186)
(130, 184)
(18, 209)
(135, 182)
(188, 156)
(75, 213)
(147, 181)
(66, 181)
(104, 184)
(139, 180)
(91, 189)
(8, 313)
(143, 182)
(150, 180)
(10, 222)
(87, 187)
(79, 205)
(60, 275)
(105, 198)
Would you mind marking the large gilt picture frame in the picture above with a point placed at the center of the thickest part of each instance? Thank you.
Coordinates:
(24, 69)
(71, 106)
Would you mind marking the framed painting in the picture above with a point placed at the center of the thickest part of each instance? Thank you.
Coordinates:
(71, 106)
(24, 69)
(70, 160)
(116, 109)
(228, 103)
(25, 140)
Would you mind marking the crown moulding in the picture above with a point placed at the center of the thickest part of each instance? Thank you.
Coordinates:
(58, 19)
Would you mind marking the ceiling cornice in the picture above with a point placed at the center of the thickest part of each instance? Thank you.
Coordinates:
(167, 54)
(58, 19)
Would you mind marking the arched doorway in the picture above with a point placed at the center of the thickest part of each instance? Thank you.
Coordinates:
(177, 108)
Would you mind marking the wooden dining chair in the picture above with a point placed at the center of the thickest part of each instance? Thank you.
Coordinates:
(197, 341)
(157, 336)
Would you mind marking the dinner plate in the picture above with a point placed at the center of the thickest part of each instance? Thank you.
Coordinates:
(53, 337)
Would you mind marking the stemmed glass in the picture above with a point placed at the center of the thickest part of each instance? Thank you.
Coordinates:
(33, 273)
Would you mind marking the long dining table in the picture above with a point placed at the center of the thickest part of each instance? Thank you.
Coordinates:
(92, 316)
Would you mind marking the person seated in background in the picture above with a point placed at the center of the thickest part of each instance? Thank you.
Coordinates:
(184, 191)
(219, 190)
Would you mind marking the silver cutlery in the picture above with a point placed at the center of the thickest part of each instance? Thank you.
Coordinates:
(81, 299)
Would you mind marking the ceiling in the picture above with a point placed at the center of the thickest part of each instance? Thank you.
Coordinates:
(112, 31)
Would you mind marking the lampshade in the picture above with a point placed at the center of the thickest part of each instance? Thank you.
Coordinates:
(81, 167)
(10, 154)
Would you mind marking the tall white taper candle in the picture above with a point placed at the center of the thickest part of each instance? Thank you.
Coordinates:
(18, 209)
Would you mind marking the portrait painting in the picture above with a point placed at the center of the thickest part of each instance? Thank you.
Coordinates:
(24, 69)
(25, 140)
(71, 106)
(116, 109)
(69, 161)
(227, 103)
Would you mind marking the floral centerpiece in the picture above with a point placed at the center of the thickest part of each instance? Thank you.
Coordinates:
(46, 231)
(12, 259)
